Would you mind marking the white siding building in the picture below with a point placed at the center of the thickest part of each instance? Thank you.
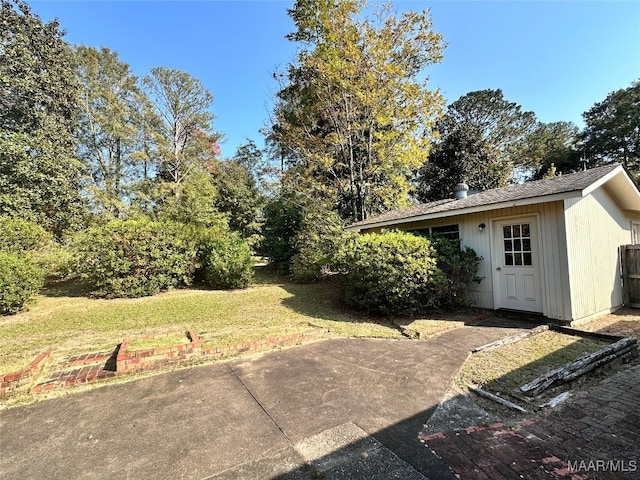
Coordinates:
(549, 246)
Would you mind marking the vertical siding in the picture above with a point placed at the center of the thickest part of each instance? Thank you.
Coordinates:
(555, 284)
(553, 256)
(596, 227)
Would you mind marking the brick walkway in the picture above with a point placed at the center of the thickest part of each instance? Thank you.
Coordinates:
(595, 436)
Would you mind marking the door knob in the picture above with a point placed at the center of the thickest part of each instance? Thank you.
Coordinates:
(498, 269)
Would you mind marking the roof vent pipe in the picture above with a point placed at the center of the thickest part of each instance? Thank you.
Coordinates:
(460, 190)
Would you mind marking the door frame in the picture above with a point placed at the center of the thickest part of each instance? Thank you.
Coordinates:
(495, 237)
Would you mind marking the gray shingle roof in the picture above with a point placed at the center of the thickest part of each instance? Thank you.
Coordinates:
(566, 183)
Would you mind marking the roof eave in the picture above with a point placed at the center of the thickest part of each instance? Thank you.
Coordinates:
(469, 210)
(620, 185)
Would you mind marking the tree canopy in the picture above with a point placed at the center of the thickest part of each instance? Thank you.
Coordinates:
(187, 140)
(353, 117)
(111, 106)
(482, 136)
(553, 145)
(39, 173)
(612, 132)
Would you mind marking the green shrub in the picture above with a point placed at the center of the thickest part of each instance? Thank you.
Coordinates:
(226, 261)
(460, 267)
(135, 258)
(283, 219)
(20, 280)
(320, 236)
(390, 273)
(32, 242)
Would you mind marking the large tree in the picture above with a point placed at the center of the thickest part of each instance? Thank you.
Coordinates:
(353, 116)
(612, 132)
(553, 146)
(39, 174)
(462, 155)
(482, 137)
(111, 120)
(187, 140)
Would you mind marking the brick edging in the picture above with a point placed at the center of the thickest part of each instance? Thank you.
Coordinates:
(21, 378)
(132, 361)
(139, 360)
(143, 360)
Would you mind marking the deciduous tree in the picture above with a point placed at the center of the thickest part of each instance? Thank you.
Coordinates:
(39, 174)
(353, 116)
(112, 108)
(187, 139)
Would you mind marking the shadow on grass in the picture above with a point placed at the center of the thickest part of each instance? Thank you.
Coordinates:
(535, 356)
(74, 288)
(322, 300)
(319, 300)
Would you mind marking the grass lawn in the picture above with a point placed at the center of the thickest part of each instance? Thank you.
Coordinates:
(65, 320)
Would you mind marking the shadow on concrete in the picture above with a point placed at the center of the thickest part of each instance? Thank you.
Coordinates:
(394, 452)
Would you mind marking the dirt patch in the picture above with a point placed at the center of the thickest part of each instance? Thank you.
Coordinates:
(624, 322)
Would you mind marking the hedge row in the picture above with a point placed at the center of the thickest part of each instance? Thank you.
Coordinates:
(121, 259)
(138, 257)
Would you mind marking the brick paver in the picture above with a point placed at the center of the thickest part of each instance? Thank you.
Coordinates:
(595, 436)
(79, 369)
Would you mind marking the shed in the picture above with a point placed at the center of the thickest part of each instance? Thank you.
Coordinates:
(548, 246)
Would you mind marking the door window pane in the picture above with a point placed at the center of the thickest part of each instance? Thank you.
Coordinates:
(517, 259)
(517, 245)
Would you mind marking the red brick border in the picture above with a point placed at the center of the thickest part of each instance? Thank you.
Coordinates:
(140, 360)
(21, 378)
(90, 367)
(258, 345)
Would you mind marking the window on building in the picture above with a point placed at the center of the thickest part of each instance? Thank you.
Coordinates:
(448, 231)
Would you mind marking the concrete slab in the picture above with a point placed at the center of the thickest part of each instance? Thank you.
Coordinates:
(185, 424)
(243, 419)
(347, 451)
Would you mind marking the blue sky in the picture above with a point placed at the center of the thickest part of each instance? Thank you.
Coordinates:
(555, 58)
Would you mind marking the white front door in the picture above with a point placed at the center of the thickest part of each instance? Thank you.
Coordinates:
(516, 264)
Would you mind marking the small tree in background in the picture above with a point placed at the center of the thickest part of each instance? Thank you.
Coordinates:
(238, 195)
(283, 219)
(317, 243)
